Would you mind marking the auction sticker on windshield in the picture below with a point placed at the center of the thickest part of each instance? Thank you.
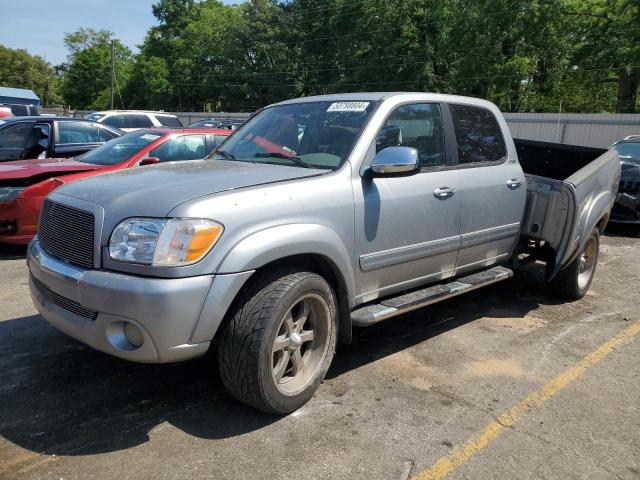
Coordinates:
(348, 107)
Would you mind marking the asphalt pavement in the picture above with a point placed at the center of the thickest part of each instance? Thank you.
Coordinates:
(505, 382)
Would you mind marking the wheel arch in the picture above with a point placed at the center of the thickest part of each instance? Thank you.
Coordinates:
(306, 246)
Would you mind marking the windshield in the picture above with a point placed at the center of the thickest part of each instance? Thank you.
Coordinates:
(308, 135)
(628, 151)
(119, 149)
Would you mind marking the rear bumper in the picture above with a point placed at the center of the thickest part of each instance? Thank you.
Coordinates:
(19, 220)
(95, 306)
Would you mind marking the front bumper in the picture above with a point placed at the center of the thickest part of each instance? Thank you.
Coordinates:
(94, 306)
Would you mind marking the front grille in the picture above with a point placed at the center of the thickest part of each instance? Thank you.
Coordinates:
(629, 187)
(67, 233)
(64, 302)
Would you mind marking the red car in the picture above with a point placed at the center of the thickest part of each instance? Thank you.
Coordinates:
(25, 183)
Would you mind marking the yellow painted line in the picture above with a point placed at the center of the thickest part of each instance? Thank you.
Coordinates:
(473, 445)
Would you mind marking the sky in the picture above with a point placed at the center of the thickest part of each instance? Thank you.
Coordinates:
(38, 26)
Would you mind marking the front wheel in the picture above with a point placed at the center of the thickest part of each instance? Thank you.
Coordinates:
(277, 346)
(574, 280)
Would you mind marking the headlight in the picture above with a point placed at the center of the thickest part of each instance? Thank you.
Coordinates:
(160, 242)
(7, 194)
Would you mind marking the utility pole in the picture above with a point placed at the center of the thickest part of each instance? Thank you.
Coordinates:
(113, 69)
(559, 115)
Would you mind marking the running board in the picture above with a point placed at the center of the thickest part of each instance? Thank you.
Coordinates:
(391, 307)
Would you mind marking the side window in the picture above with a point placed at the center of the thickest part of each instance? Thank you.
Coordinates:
(169, 121)
(478, 134)
(184, 147)
(15, 136)
(417, 125)
(105, 135)
(116, 121)
(138, 121)
(78, 132)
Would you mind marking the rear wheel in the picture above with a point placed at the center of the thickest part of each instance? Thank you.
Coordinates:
(277, 346)
(574, 280)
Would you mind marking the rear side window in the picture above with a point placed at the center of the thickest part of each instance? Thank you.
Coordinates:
(116, 121)
(168, 121)
(138, 121)
(78, 132)
(416, 125)
(478, 134)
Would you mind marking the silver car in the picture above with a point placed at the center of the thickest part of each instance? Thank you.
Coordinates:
(318, 214)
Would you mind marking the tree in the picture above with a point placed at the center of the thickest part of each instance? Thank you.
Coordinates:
(87, 80)
(609, 38)
(18, 69)
(525, 55)
(149, 86)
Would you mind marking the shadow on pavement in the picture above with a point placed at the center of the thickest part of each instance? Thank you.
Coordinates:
(12, 252)
(622, 230)
(61, 397)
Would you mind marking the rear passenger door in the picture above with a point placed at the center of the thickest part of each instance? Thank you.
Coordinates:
(74, 138)
(491, 188)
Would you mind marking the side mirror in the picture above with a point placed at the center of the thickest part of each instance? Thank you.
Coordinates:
(395, 161)
(149, 161)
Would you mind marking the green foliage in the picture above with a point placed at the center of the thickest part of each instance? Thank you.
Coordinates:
(18, 69)
(525, 55)
(87, 79)
(608, 37)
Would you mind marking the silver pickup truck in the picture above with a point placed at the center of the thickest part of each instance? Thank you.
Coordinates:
(319, 214)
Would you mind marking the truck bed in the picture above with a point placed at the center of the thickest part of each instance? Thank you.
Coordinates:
(569, 190)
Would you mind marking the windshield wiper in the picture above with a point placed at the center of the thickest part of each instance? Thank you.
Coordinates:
(226, 154)
(294, 159)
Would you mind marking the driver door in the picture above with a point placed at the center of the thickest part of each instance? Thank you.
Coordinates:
(14, 139)
(407, 232)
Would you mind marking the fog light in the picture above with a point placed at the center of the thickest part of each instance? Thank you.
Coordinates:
(133, 334)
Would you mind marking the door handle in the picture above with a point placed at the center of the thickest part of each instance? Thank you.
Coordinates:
(514, 183)
(444, 192)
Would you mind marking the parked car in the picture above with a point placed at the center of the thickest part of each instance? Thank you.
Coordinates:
(24, 184)
(627, 207)
(130, 120)
(21, 102)
(50, 137)
(19, 110)
(318, 214)
(217, 123)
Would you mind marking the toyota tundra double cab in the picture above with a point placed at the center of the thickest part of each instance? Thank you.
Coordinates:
(317, 215)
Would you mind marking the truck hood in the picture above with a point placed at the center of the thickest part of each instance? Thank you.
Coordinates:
(153, 191)
(42, 169)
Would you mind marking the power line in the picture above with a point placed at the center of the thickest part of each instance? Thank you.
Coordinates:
(368, 60)
(405, 82)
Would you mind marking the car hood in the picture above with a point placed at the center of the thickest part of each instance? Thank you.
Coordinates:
(36, 168)
(153, 191)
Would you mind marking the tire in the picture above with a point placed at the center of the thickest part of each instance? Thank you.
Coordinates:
(266, 356)
(574, 280)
